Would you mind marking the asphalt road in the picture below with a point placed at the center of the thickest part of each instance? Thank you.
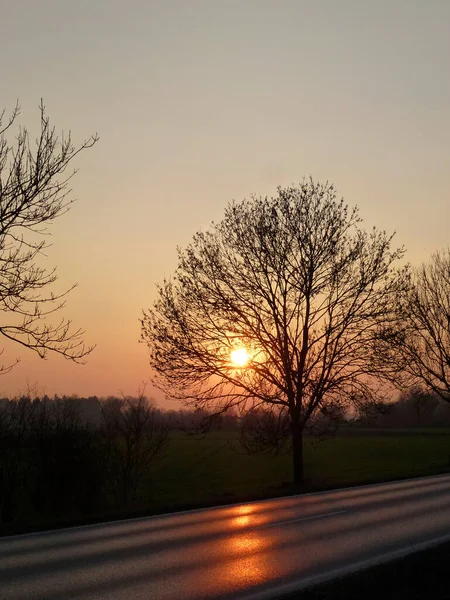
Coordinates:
(256, 550)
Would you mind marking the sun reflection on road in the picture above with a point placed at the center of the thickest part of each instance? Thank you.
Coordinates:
(248, 563)
(243, 557)
(244, 516)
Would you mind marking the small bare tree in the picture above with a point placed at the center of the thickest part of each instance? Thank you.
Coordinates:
(279, 305)
(33, 192)
(419, 344)
(134, 433)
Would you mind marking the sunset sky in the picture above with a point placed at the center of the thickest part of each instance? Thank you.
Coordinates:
(199, 102)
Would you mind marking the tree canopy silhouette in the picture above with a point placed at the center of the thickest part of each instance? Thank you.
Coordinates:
(33, 192)
(295, 281)
(419, 344)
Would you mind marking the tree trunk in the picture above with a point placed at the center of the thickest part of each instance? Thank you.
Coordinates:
(297, 454)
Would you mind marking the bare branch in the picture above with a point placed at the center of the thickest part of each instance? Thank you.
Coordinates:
(418, 343)
(33, 193)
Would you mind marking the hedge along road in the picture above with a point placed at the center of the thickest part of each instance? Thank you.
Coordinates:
(248, 551)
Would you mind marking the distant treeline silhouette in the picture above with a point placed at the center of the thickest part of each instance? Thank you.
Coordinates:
(416, 407)
(66, 457)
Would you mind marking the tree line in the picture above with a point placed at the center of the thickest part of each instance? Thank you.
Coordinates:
(69, 457)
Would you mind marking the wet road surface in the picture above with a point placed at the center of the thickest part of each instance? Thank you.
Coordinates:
(249, 551)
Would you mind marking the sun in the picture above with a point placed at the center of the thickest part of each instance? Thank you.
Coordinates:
(239, 357)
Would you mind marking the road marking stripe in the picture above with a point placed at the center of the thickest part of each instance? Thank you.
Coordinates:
(336, 512)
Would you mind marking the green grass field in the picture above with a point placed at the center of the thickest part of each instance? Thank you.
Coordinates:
(202, 471)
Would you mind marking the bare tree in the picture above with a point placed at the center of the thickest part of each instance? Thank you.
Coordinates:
(298, 290)
(423, 403)
(134, 433)
(419, 344)
(34, 190)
